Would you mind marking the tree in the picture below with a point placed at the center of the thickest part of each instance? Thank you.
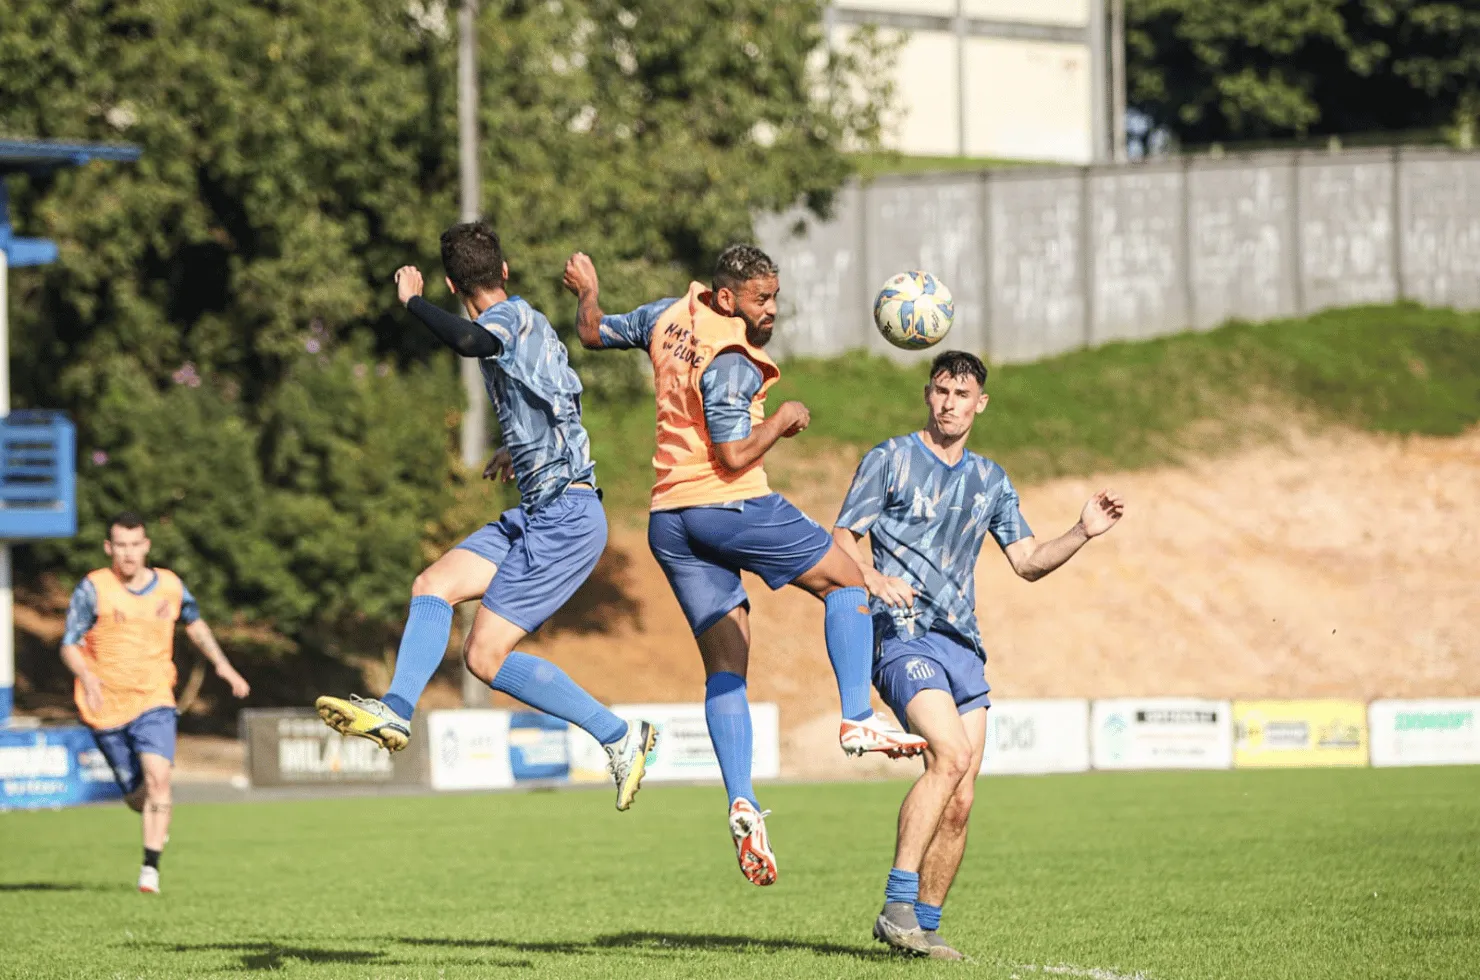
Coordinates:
(221, 323)
(1278, 68)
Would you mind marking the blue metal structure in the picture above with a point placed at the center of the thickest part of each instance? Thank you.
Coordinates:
(38, 474)
(38, 453)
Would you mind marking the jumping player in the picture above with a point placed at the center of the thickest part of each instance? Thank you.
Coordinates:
(713, 512)
(928, 503)
(532, 559)
(119, 644)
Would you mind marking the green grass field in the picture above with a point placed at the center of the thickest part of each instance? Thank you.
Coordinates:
(1315, 873)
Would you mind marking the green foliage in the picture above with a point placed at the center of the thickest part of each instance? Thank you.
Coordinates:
(1313, 874)
(1212, 70)
(295, 153)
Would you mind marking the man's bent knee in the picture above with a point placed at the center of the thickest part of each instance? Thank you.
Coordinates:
(484, 660)
(951, 761)
(135, 800)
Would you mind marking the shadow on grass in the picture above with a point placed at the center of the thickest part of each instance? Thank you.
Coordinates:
(694, 942)
(265, 956)
(268, 956)
(51, 886)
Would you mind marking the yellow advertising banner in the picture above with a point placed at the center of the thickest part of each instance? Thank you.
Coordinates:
(1269, 734)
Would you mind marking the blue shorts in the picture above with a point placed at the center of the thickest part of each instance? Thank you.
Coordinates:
(703, 549)
(935, 661)
(542, 556)
(152, 732)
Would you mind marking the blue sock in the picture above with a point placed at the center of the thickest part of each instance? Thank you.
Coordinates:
(423, 645)
(541, 684)
(849, 629)
(903, 886)
(728, 715)
(927, 915)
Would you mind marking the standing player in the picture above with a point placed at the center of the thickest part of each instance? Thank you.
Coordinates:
(119, 645)
(713, 512)
(929, 503)
(532, 559)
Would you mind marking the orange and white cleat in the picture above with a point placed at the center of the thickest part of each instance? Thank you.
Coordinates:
(752, 846)
(878, 734)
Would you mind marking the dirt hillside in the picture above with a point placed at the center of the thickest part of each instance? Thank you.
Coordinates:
(1340, 564)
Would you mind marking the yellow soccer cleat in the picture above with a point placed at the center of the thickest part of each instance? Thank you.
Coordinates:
(627, 760)
(365, 718)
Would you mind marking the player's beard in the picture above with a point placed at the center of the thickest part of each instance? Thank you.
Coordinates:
(759, 334)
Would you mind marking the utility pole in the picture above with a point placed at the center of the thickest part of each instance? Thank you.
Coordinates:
(1118, 148)
(475, 418)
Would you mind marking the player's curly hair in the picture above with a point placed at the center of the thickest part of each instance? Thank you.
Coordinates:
(958, 364)
(739, 264)
(473, 257)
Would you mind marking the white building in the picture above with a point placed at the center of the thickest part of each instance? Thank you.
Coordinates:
(1012, 79)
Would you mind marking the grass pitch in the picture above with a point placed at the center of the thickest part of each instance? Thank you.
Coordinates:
(1315, 873)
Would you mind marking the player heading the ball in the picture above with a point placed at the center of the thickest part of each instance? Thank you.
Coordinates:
(713, 512)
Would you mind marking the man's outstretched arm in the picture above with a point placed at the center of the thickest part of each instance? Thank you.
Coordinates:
(1032, 559)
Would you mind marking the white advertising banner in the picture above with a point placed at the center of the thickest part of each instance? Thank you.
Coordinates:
(1427, 732)
(1162, 733)
(1031, 736)
(684, 752)
(469, 749)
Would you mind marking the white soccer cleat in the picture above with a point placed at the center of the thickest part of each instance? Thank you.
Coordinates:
(878, 734)
(752, 845)
(149, 880)
(627, 760)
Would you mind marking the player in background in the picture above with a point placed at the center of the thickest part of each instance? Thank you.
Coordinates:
(713, 512)
(928, 504)
(119, 644)
(532, 559)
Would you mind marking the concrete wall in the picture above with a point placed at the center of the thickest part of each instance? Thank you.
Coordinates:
(1046, 261)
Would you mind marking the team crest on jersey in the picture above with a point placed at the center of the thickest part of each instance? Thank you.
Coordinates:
(163, 610)
(918, 670)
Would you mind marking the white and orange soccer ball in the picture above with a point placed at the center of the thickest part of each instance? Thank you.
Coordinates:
(914, 310)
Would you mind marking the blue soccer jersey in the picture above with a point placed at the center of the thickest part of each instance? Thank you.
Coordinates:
(538, 400)
(928, 522)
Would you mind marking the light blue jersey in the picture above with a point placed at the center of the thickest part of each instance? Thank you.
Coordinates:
(538, 400)
(928, 522)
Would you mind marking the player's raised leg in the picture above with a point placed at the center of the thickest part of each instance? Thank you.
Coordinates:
(491, 657)
(848, 628)
(547, 554)
(461, 574)
(943, 856)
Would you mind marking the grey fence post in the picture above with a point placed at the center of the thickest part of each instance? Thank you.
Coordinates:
(1297, 234)
(989, 312)
(1188, 273)
(1087, 251)
(1395, 212)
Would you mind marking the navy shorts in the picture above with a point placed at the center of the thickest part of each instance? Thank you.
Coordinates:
(935, 661)
(703, 549)
(152, 732)
(542, 556)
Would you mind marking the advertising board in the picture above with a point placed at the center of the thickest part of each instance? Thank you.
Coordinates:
(52, 767)
(684, 752)
(293, 747)
(1161, 733)
(1037, 736)
(1271, 734)
(1426, 732)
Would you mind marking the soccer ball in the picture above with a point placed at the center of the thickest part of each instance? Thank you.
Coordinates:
(914, 310)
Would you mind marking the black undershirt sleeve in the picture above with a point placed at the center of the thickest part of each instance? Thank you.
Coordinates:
(466, 337)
